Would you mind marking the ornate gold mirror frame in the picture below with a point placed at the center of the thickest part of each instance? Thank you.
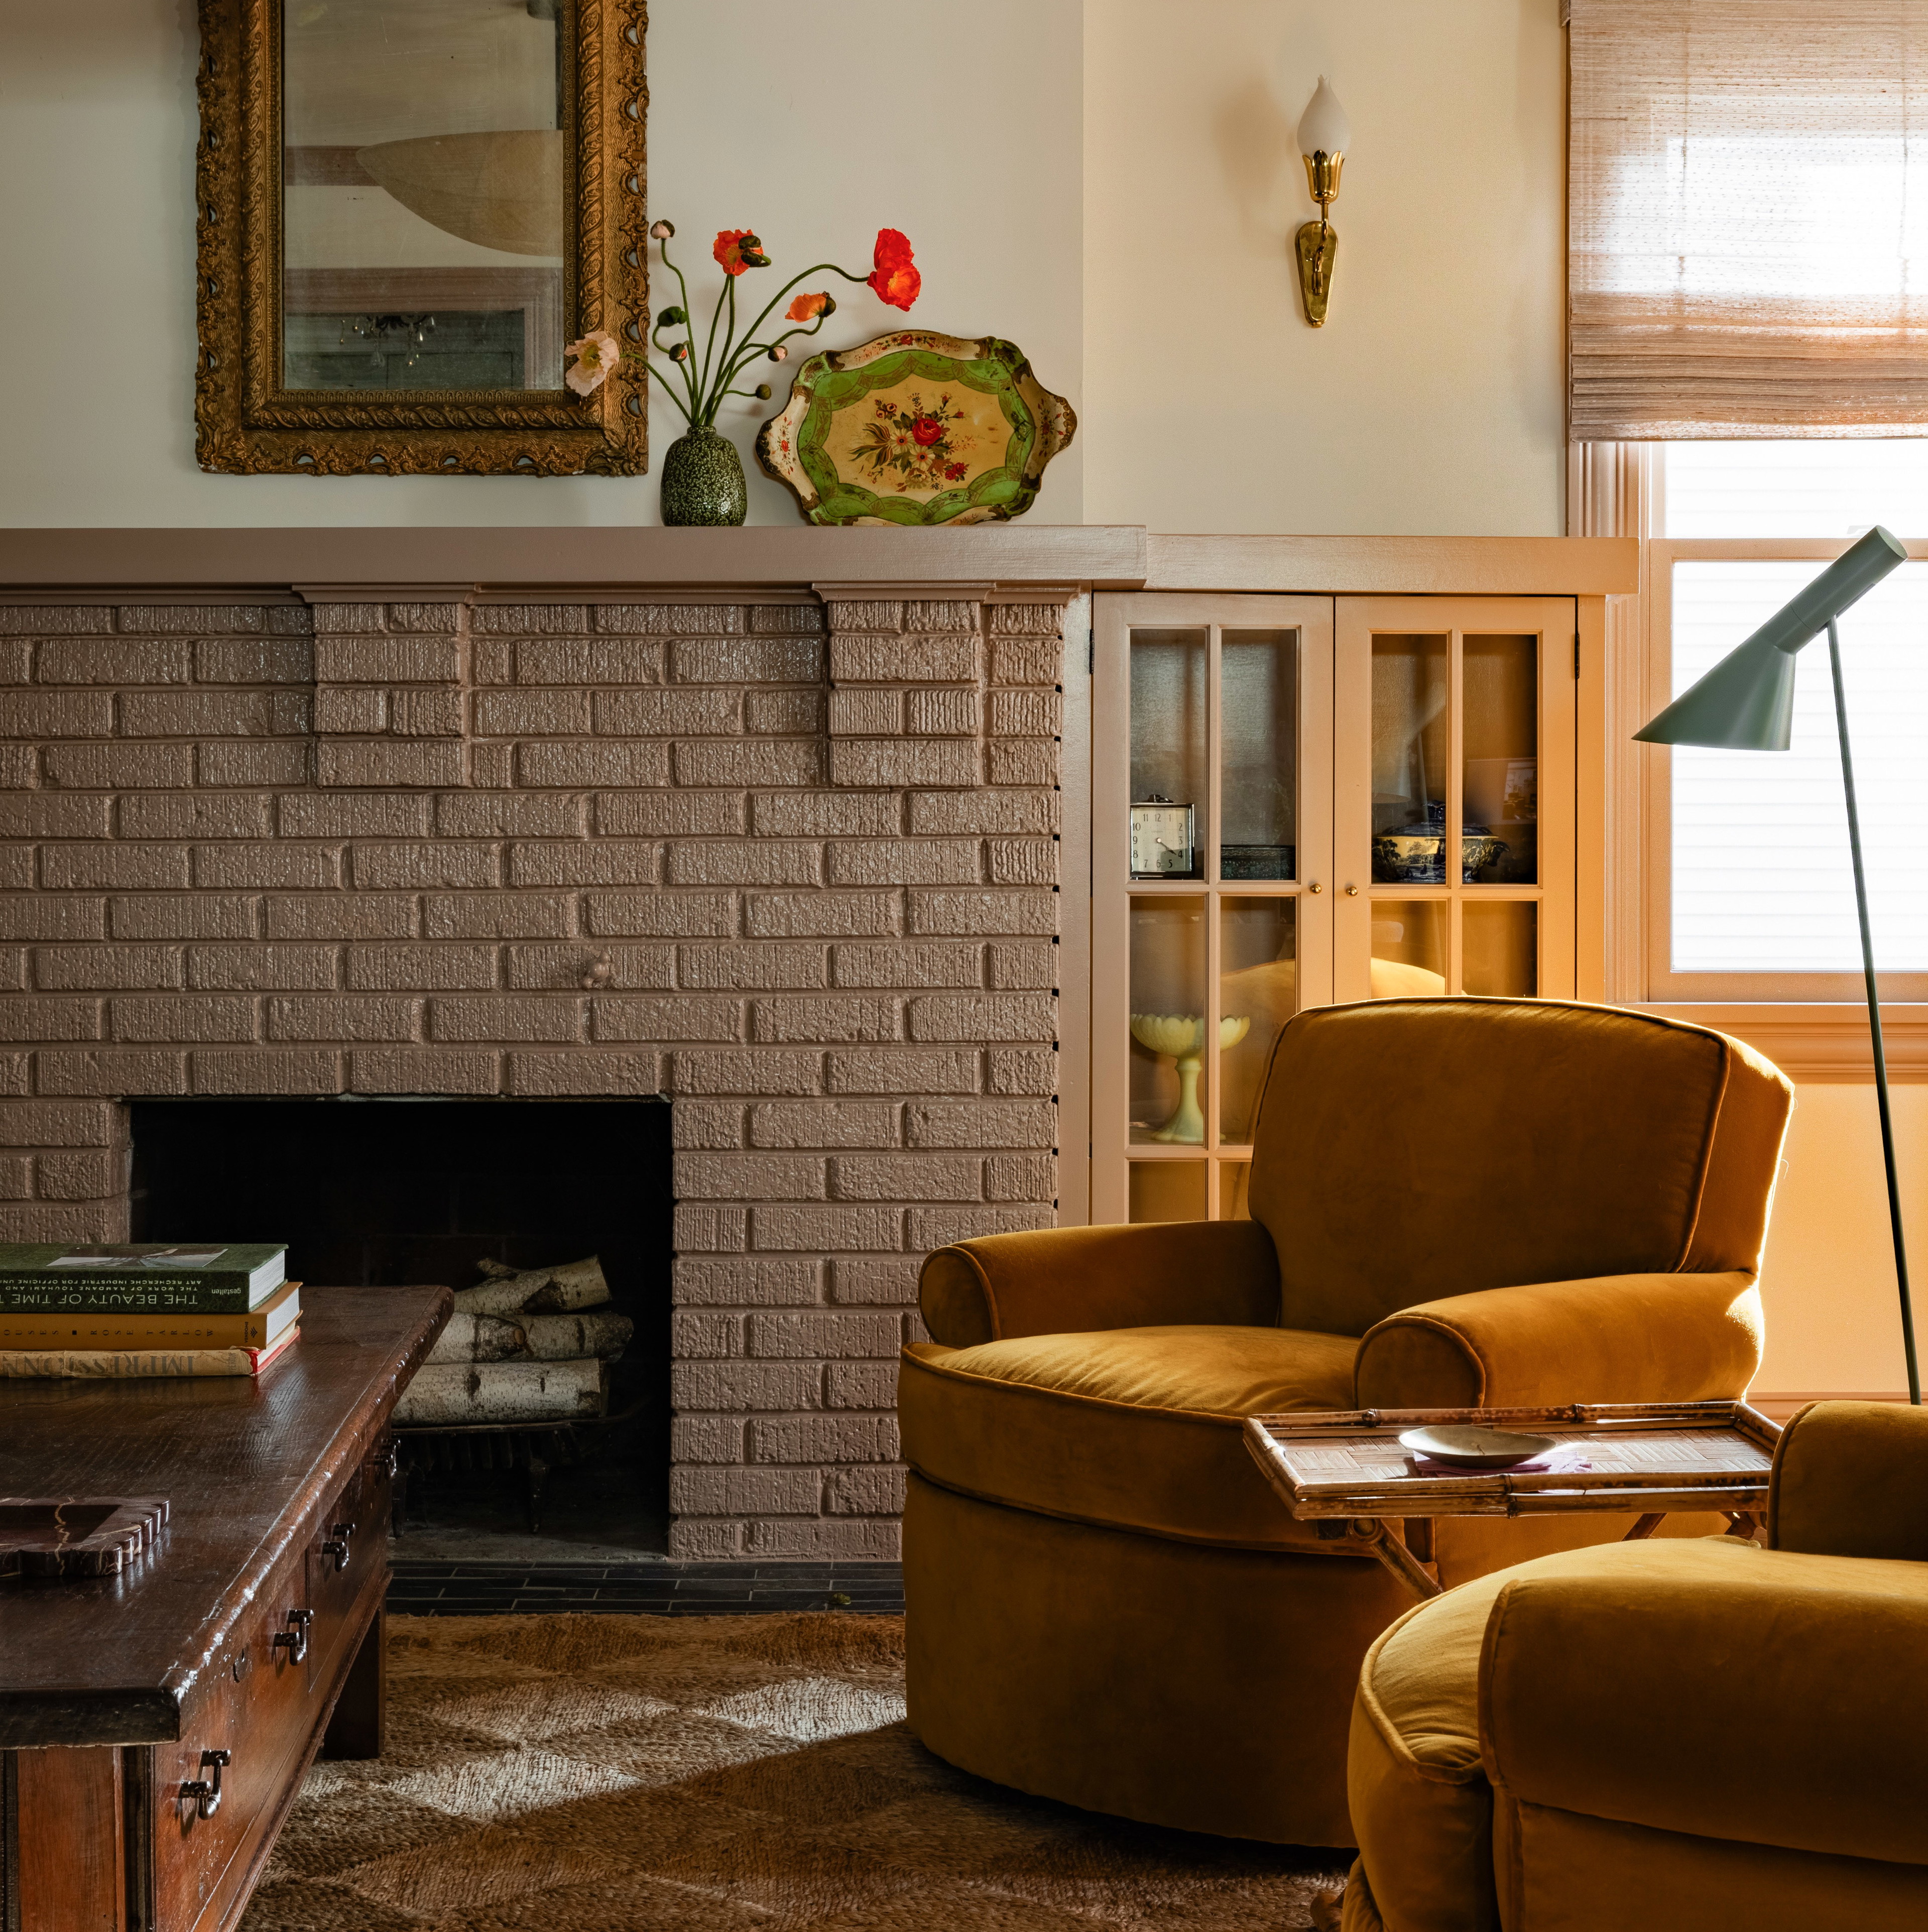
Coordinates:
(246, 422)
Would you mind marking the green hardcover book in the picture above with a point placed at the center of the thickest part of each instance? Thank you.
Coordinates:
(147, 1277)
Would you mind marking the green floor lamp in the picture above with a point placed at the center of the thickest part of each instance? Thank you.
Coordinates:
(1746, 703)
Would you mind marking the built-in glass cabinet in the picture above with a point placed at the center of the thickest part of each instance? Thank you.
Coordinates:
(1297, 800)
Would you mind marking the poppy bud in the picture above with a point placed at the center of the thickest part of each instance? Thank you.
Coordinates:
(679, 351)
(662, 230)
(670, 317)
(750, 253)
(764, 392)
(779, 352)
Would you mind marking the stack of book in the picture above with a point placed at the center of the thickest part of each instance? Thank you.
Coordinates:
(148, 1308)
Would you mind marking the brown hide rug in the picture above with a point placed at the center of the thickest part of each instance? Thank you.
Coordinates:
(635, 1773)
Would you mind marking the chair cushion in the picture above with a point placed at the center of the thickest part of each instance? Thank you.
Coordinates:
(1415, 1784)
(1406, 1151)
(1135, 1428)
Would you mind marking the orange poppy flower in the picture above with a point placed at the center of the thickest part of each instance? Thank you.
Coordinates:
(893, 278)
(736, 249)
(806, 308)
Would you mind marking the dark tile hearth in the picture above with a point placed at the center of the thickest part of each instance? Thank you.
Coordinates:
(644, 1588)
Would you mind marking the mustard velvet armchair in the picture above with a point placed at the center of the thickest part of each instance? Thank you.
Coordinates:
(1691, 1737)
(1454, 1202)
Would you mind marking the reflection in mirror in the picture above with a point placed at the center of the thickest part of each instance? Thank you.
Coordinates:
(422, 199)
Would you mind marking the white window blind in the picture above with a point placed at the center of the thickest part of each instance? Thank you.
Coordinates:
(1761, 876)
(1748, 219)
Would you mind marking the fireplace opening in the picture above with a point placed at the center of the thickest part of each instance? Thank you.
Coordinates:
(387, 1192)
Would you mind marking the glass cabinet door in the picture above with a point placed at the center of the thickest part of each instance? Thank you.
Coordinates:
(1212, 911)
(1453, 753)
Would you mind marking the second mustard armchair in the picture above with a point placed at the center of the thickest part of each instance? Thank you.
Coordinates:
(1455, 1202)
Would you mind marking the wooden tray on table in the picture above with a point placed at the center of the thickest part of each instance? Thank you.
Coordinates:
(1346, 1468)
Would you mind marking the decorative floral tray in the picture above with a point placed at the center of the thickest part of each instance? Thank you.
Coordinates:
(915, 428)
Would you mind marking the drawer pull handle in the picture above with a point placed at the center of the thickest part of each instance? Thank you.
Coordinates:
(337, 1545)
(206, 1792)
(295, 1641)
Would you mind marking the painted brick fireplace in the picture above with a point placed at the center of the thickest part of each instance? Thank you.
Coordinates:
(789, 858)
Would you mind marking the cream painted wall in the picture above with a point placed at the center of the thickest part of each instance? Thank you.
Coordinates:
(1431, 401)
(817, 121)
(1828, 1278)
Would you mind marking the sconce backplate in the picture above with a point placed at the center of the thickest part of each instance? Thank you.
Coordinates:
(1318, 248)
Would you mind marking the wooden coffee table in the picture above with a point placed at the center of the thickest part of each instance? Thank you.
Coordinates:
(1343, 1470)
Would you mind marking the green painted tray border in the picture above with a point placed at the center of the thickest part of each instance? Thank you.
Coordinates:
(1005, 490)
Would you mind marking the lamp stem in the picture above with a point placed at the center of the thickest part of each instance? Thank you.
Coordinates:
(1874, 1018)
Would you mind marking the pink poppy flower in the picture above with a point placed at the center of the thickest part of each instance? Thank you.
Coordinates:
(590, 360)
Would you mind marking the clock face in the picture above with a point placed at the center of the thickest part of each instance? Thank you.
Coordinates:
(1162, 839)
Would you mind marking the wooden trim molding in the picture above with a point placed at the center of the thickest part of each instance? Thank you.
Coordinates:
(1587, 566)
(1823, 1043)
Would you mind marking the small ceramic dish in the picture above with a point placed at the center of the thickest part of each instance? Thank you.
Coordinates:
(1467, 1446)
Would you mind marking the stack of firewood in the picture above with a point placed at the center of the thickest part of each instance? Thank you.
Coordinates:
(524, 1345)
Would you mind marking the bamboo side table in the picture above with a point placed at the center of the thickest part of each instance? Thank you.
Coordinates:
(1344, 1470)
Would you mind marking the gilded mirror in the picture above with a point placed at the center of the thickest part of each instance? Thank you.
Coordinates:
(408, 208)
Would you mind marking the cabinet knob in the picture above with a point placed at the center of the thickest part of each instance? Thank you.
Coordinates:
(1352, 892)
(205, 1791)
(294, 1641)
(337, 1545)
(1315, 887)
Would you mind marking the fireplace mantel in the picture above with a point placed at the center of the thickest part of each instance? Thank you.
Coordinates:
(1021, 557)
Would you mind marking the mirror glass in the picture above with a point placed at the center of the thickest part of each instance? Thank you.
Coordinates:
(422, 184)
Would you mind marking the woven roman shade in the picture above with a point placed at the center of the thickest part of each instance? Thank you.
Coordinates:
(1748, 221)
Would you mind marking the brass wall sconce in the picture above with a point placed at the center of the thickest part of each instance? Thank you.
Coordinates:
(1324, 134)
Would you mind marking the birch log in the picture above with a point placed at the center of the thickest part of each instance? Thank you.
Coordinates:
(558, 1338)
(502, 1392)
(483, 1338)
(546, 1291)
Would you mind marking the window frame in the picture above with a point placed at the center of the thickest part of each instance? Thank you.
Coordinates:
(1815, 1025)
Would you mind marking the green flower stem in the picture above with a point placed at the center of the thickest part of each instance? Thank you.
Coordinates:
(670, 392)
(803, 275)
(751, 349)
(689, 378)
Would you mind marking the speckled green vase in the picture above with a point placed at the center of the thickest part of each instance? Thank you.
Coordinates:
(702, 480)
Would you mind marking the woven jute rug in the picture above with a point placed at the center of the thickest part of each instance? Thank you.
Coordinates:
(619, 1773)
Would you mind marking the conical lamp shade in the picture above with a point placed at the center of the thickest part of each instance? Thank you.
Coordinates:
(1745, 704)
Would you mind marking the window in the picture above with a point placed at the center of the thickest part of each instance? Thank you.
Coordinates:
(1752, 898)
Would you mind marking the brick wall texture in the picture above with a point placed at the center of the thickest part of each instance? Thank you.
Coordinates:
(793, 863)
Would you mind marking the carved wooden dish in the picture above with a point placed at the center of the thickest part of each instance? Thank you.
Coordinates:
(76, 1536)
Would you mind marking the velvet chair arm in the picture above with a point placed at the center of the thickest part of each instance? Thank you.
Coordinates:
(1850, 1479)
(1774, 1698)
(1614, 1338)
(1068, 1280)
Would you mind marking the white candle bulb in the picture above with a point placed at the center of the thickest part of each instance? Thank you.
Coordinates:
(1324, 128)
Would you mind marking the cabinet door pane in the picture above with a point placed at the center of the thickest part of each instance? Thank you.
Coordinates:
(1170, 1067)
(1411, 738)
(1409, 948)
(1258, 992)
(1167, 1190)
(1500, 943)
(1169, 700)
(1258, 729)
(1502, 739)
